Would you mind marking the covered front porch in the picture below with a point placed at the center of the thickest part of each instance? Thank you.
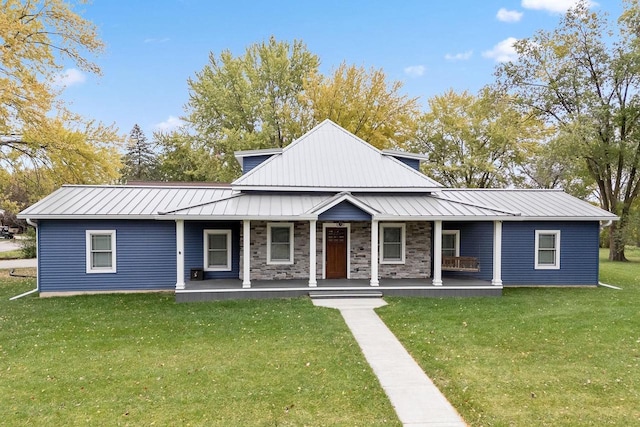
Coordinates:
(222, 289)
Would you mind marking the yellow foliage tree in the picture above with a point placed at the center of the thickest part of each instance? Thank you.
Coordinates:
(365, 103)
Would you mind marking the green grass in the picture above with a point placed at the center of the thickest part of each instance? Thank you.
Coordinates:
(536, 356)
(142, 359)
(17, 254)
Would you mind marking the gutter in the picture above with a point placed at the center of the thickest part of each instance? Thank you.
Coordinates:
(34, 224)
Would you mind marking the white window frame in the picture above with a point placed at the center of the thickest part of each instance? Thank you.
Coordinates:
(403, 241)
(206, 235)
(556, 264)
(457, 241)
(97, 270)
(288, 225)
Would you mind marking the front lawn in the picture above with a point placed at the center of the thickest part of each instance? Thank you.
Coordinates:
(536, 356)
(144, 360)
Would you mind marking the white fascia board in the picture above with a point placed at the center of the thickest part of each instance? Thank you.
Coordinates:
(328, 204)
(170, 217)
(405, 155)
(79, 216)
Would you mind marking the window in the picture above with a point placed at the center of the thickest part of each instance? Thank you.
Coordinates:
(392, 245)
(280, 243)
(547, 254)
(450, 242)
(101, 251)
(217, 250)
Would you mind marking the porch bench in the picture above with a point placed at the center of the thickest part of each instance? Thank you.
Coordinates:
(460, 263)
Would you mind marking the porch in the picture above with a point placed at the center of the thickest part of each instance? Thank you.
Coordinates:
(223, 289)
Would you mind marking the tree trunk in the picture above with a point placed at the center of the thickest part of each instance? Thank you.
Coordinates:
(616, 241)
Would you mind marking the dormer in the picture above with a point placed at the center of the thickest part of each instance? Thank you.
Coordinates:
(251, 158)
(410, 159)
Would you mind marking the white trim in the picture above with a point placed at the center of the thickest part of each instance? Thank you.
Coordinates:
(336, 200)
(455, 233)
(206, 233)
(556, 263)
(497, 254)
(180, 254)
(246, 253)
(403, 242)
(437, 253)
(313, 238)
(375, 281)
(288, 225)
(89, 264)
(326, 225)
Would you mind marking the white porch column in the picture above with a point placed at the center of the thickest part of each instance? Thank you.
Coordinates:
(312, 253)
(374, 253)
(246, 253)
(180, 254)
(497, 253)
(437, 253)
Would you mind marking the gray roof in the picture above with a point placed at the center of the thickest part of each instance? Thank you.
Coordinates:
(114, 201)
(188, 202)
(329, 158)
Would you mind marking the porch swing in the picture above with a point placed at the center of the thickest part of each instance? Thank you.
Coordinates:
(460, 263)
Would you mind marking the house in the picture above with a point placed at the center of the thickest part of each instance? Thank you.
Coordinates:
(328, 213)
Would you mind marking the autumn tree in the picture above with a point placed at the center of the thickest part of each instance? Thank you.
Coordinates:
(476, 141)
(365, 103)
(584, 78)
(140, 160)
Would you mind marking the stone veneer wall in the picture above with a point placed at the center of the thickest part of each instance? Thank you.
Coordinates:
(260, 270)
(417, 253)
(417, 264)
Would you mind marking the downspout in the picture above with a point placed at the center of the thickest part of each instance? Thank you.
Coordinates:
(34, 225)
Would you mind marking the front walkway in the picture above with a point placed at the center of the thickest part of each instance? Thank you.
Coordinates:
(415, 398)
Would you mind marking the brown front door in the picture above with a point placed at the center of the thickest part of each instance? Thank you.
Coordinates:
(336, 262)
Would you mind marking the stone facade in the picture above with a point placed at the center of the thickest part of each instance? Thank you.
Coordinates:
(417, 253)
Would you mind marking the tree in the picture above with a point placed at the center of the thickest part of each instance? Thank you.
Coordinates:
(584, 78)
(250, 101)
(365, 104)
(476, 141)
(140, 161)
(36, 39)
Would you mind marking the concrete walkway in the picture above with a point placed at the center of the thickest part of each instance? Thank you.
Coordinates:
(415, 398)
(18, 263)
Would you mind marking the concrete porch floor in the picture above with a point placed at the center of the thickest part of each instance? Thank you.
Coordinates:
(222, 289)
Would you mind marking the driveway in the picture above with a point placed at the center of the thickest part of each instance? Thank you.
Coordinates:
(7, 245)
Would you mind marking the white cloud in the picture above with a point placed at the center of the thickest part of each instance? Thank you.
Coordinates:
(503, 51)
(553, 6)
(505, 15)
(415, 70)
(69, 77)
(168, 125)
(463, 56)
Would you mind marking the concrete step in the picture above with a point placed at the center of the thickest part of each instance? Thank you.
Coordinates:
(345, 294)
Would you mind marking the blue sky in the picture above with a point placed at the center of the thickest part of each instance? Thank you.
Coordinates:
(153, 47)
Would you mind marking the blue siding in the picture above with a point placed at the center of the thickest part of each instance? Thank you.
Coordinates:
(251, 162)
(476, 240)
(344, 211)
(578, 254)
(412, 163)
(145, 253)
(194, 248)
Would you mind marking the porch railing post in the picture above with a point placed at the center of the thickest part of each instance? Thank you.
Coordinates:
(312, 253)
(180, 254)
(437, 253)
(374, 253)
(497, 253)
(246, 253)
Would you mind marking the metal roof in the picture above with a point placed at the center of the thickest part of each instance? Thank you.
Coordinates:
(119, 201)
(171, 202)
(329, 158)
(530, 204)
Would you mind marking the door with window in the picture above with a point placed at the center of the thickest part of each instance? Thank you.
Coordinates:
(336, 253)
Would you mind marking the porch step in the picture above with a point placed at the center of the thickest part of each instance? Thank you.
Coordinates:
(345, 294)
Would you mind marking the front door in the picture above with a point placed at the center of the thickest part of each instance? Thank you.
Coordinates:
(336, 252)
